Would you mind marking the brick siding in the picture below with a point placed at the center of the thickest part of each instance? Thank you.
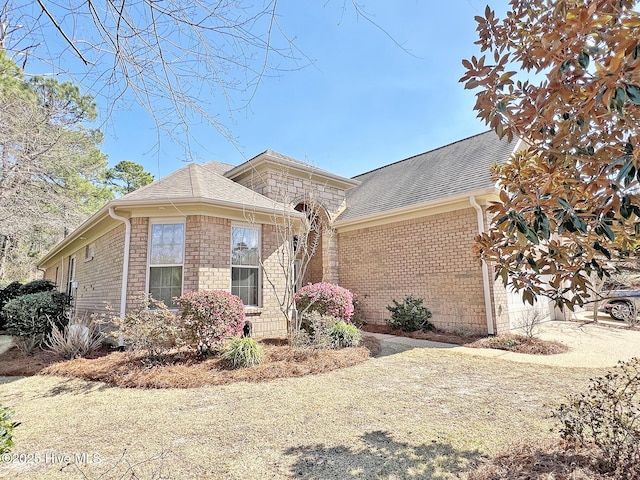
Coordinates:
(429, 257)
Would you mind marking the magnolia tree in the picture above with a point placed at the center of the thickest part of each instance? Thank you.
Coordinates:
(563, 76)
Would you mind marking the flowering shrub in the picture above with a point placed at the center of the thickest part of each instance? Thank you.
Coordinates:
(151, 328)
(209, 317)
(326, 299)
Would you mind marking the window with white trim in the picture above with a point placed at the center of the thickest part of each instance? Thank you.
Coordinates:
(166, 252)
(245, 264)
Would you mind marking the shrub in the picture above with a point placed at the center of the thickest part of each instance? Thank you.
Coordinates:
(7, 294)
(410, 315)
(326, 299)
(607, 416)
(6, 429)
(80, 337)
(32, 317)
(209, 317)
(37, 286)
(345, 335)
(152, 328)
(243, 352)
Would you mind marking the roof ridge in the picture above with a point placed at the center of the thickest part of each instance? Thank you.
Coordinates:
(423, 153)
(196, 179)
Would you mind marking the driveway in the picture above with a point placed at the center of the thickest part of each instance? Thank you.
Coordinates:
(590, 345)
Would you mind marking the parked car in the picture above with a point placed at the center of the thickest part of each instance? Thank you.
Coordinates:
(619, 304)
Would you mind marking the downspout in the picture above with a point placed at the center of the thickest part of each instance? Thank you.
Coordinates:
(125, 260)
(485, 270)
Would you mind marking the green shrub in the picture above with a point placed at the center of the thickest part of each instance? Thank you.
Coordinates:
(6, 429)
(243, 352)
(31, 317)
(152, 329)
(410, 315)
(345, 335)
(315, 331)
(607, 416)
(37, 286)
(209, 318)
(7, 294)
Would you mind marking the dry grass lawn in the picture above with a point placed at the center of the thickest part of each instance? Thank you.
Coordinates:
(422, 413)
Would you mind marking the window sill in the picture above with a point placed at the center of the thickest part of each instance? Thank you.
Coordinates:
(252, 311)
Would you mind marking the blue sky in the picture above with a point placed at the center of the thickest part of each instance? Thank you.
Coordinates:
(361, 103)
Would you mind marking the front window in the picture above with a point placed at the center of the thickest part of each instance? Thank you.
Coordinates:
(245, 264)
(165, 261)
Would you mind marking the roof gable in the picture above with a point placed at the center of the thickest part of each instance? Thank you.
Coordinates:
(449, 171)
(196, 182)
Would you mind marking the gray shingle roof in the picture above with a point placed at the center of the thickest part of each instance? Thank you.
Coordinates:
(455, 169)
(200, 182)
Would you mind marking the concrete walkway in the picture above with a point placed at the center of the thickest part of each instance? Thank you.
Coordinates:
(590, 346)
(5, 343)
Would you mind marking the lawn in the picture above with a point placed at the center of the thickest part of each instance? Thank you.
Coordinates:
(420, 413)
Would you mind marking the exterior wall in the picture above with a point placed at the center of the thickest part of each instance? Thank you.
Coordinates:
(98, 277)
(270, 322)
(137, 282)
(207, 253)
(429, 257)
(282, 186)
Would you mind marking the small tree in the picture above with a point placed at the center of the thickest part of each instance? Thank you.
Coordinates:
(298, 229)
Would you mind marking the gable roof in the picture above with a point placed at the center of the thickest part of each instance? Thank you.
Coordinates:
(450, 171)
(270, 159)
(196, 182)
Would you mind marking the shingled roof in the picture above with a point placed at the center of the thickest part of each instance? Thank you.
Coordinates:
(203, 182)
(449, 171)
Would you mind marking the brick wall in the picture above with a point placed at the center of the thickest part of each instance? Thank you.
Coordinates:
(99, 278)
(137, 261)
(208, 267)
(429, 257)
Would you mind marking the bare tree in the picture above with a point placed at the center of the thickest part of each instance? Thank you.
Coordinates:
(298, 229)
(166, 56)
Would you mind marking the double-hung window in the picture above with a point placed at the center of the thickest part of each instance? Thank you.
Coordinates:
(166, 253)
(245, 264)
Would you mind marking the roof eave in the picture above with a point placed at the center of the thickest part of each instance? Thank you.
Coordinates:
(489, 191)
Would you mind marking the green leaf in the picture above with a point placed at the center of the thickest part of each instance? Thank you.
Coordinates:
(583, 59)
(608, 232)
(564, 203)
(633, 92)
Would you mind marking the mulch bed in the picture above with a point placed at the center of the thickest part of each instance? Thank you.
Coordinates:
(509, 342)
(521, 344)
(433, 335)
(541, 459)
(183, 369)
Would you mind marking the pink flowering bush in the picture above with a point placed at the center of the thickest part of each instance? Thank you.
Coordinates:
(326, 299)
(209, 317)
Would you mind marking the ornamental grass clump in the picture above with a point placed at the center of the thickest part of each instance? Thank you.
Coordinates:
(345, 335)
(243, 352)
(325, 299)
(209, 318)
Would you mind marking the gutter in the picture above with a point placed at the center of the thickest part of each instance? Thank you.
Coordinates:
(485, 270)
(338, 223)
(125, 260)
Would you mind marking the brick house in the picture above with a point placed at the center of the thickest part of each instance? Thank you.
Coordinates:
(406, 228)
